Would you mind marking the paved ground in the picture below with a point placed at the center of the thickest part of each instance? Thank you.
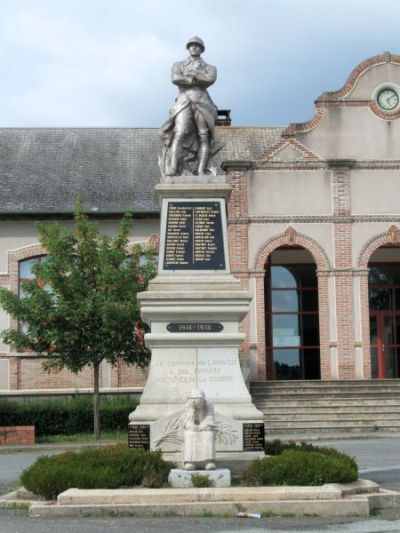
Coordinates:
(378, 459)
(18, 522)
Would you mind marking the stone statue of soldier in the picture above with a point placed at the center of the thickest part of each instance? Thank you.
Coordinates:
(188, 134)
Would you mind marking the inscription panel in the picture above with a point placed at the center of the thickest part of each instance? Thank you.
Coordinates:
(195, 327)
(194, 236)
(253, 437)
(139, 437)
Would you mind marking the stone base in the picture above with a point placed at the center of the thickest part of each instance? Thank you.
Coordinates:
(179, 478)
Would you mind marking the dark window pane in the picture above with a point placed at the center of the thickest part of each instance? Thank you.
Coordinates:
(397, 372)
(390, 353)
(373, 331)
(388, 333)
(287, 364)
(380, 299)
(397, 300)
(374, 362)
(306, 275)
(285, 301)
(282, 278)
(397, 329)
(309, 300)
(311, 364)
(310, 330)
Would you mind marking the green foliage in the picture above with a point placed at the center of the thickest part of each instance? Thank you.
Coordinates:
(55, 417)
(107, 467)
(83, 306)
(276, 447)
(201, 480)
(302, 467)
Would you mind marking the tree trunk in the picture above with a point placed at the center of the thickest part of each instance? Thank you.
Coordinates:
(96, 400)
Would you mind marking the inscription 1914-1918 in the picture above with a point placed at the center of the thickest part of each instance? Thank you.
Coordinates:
(195, 327)
(139, 436)
(253, 437)
(194, 237)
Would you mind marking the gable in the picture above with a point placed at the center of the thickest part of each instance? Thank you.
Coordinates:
(349, 123)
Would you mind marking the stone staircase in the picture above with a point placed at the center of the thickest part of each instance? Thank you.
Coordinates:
(329, 409)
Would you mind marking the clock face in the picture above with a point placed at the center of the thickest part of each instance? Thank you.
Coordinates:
(388, 99)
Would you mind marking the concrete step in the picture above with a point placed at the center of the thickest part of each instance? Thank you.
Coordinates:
(323, 383)
(325, 394)
(270, 416)
(333, 432)
(375, 403)
(298, 408)
(320, 424)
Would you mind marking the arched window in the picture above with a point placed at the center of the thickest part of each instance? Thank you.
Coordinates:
(25, 274)
(292, 321)
(25, 271)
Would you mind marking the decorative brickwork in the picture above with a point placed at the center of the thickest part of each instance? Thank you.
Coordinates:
(304, 152)
(123, 375)
(335, 98)
(391, 236)
(238, 241)
(342, 234)
(26, 371)
(291, 238)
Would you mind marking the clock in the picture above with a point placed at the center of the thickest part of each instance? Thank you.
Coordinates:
(388, 99)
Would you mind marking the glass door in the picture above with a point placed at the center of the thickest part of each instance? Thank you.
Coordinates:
(385, 344)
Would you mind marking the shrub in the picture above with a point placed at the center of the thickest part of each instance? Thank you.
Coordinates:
(276, 447)
(57, 417)
(201, 480)
(106, 467)
(302, 467)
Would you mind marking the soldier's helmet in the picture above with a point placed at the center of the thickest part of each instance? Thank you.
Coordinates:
(196, 40)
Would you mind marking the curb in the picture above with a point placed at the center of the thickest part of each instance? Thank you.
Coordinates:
(356, 507)
(331, 500)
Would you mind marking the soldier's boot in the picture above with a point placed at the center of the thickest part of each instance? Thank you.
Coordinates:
(203, 154)
(175, 153)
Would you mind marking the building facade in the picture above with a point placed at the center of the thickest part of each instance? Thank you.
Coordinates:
(313, 222)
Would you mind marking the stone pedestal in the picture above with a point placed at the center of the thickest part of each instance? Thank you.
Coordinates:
(194, 307)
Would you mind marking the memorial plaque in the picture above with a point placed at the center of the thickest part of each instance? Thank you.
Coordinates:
(139, 436)
(253, 437)
(195, 327)
(194, 238)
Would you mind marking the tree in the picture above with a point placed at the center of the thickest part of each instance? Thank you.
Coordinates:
(82, 307)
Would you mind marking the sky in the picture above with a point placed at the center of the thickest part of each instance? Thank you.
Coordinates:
(106, 63)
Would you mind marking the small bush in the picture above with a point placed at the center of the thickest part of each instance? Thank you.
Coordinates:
(107, 467)
(57, 417)
(301, 467)
(276, 447)
(201, 480)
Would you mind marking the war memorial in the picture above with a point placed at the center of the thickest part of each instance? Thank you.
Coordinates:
(279, 251)
(230, 304)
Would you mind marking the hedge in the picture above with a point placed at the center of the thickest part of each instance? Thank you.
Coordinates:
(302, 464)
(276, 447)
(107, 467)
(55, 417)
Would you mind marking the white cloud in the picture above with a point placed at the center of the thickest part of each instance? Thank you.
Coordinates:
(107, 62)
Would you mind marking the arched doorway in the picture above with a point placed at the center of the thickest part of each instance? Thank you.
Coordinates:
(291, 315)
(384, 312)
